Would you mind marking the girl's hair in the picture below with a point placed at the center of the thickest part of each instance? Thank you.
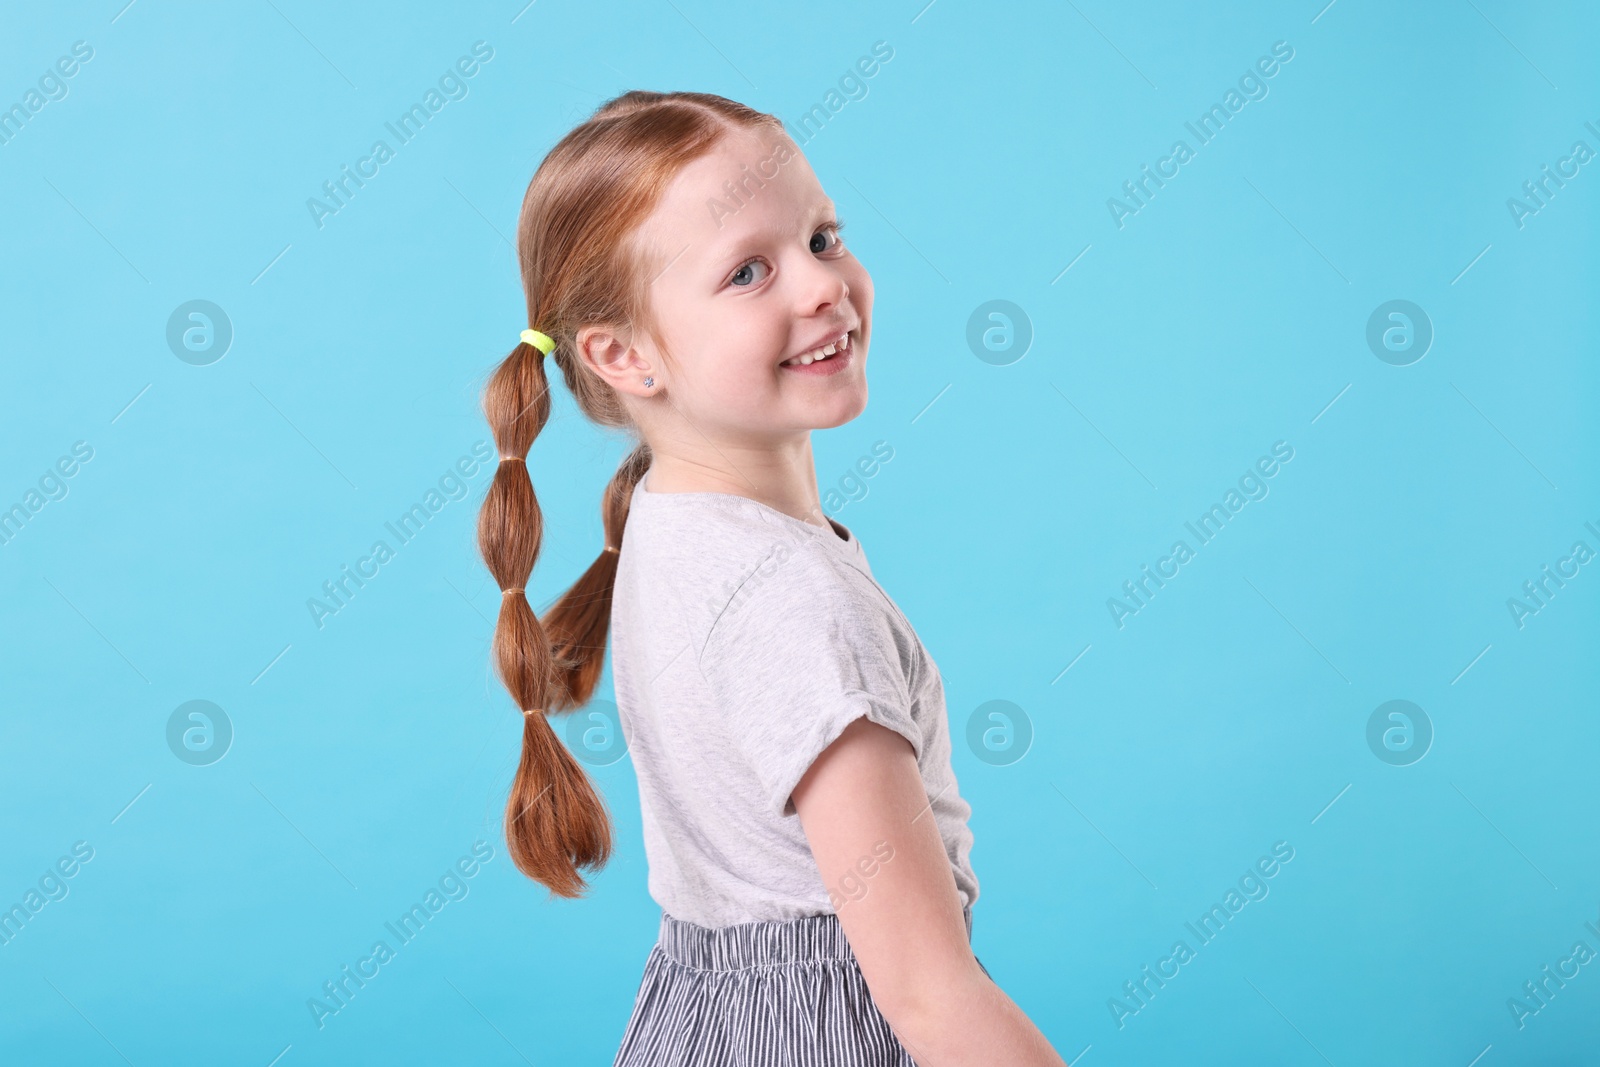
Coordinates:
(581, 265)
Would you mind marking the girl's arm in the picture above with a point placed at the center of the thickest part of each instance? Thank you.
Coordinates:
(860, 801)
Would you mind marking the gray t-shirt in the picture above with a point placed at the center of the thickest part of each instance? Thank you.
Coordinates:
(744, 641)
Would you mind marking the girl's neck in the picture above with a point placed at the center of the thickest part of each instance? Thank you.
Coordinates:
(789, 488)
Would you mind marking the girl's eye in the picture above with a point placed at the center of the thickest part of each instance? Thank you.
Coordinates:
(745, 273)
(835, 227)
(756, 271)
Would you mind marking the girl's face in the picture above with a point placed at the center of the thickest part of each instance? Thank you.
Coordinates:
(752, 274)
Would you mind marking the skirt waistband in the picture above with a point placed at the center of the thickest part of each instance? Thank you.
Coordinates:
(759, 944)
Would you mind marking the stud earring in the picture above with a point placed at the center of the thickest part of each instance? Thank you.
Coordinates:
(648, 382)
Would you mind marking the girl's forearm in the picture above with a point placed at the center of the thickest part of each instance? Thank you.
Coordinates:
(970, 1023)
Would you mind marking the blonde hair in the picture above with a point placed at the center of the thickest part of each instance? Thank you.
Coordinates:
(579, 267)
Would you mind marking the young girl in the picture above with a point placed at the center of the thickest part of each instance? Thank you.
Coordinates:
(806, 842)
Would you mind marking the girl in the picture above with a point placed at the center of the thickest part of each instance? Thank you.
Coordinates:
(805, 839)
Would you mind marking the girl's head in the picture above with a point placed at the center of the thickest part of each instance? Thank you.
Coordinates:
(741, 267)
(679, 238)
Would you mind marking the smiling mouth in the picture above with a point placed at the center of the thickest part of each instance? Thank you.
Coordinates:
(840, 347)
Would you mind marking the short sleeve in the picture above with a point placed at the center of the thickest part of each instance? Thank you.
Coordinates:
(792, 662)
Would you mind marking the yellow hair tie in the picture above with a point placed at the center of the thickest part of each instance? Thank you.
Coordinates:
(543, 342)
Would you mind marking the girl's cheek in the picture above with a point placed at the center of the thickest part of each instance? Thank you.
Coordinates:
(860, 269)
(861, 290)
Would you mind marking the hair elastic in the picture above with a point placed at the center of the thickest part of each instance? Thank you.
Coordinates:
(511, 589)
(613, 548)
(542, 341)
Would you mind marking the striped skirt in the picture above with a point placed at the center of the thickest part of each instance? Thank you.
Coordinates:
(766, 993)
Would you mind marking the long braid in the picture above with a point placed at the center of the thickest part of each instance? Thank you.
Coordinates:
(555, 821)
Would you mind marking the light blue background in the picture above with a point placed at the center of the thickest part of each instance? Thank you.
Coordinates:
(1228, 314)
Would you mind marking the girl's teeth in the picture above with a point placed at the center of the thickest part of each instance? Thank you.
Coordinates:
(812, 357)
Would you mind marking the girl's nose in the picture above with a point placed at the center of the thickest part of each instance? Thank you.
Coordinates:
(825, 288)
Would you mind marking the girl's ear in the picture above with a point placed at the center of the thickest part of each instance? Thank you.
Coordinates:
(611, 354)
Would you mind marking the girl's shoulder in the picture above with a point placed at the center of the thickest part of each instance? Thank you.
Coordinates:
(720, 558)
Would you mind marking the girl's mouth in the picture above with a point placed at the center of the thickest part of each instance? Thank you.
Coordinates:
(829, 359)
